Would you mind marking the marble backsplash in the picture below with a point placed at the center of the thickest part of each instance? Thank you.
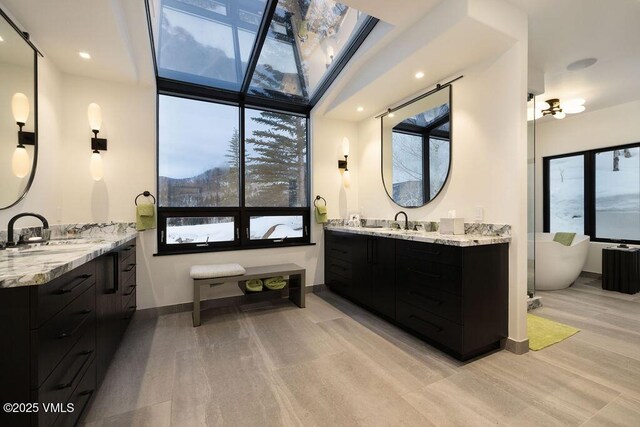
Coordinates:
(70, 231)
(476, 228)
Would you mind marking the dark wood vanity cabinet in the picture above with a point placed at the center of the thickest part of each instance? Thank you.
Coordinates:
(362, 268)
(59, 338)
(453, 297)
(115, 301)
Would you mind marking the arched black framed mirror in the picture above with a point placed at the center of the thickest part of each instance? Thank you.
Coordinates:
(416, 148)
(18, 113)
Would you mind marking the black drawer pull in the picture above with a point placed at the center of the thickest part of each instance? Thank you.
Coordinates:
(428, 298)
(339, 251)
(433, 325)
(79, 281)
(78, 326)
(340, 267)
(86, 392)
(132, 309)
(128, 248)
(133, 288)
(129, 268)
(426, 252)
(422, 273)
(70, 383)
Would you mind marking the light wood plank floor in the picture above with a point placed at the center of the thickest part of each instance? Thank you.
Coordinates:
(335, 364)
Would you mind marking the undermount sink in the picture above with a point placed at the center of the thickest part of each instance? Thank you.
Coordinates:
(50, 247)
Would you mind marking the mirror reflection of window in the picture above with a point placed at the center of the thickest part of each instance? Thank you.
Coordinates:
(416, 146)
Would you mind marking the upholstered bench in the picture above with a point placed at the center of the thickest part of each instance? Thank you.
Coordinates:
(217, 274)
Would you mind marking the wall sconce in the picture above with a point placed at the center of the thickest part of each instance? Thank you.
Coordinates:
(20, 163)
(97, 144)
(343, 164)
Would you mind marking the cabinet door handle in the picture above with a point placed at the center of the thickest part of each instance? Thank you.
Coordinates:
(76, 328)
(426, 322)
(428, 298)
(422, 273)
(73, 379)
(129, 268)
(427, 252)
(79, 281)
(128, 248)
(133, 288)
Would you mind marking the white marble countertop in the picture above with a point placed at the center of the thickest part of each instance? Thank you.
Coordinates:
(425, 236)
(37, 264)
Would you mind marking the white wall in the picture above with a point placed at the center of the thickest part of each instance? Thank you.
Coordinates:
(592, 129)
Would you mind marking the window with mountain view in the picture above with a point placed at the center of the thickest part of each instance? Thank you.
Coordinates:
(223, 186)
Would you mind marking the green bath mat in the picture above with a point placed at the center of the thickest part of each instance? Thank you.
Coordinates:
(543, 332)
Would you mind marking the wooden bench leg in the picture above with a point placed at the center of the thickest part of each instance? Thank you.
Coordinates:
(297, 289)
(196, 304)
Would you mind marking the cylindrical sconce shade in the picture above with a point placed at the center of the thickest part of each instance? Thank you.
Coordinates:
(346, 178)
(96, 167)
(20, 107)
(95, 116)
(20, 163)
(345, 146)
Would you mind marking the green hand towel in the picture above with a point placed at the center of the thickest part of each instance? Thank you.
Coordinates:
(145, 216)
(276, 286)
(564, 238)
(273, 280)
(254, 285)
(321, 214)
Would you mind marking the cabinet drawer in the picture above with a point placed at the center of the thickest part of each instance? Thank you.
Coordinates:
(420, 252)
(433, 300)
(56, 337)
(58, 388)
(127, 273)
(339, 245)
(49, 299)
(128, 289)
(429, 275)
(79, 399)
(430, 326)
(128, 253)
(129, 307)
(339, 267)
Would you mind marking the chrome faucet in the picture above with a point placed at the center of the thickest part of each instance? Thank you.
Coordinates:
(10, 242)
(406, 219)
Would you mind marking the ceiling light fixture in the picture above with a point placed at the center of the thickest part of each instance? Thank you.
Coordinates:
(581, 64)
(1, 39)
(360, 109)
(419, 75)
(84, 55)
(554, 108)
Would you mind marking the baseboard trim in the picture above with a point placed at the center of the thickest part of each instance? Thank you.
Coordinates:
(591, 275)
(516, 347)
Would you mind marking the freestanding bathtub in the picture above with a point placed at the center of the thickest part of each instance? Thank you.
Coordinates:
(557, 265)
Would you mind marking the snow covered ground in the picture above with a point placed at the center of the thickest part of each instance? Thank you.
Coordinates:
(617, 195)
(283, 226)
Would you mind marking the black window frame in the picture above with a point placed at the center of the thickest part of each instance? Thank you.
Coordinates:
(241, 213)
(590, 226)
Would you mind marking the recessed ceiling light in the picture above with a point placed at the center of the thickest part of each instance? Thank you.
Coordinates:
(360, 109)
(581, 64)
(84, 55)
(419, 75)
(1, 39)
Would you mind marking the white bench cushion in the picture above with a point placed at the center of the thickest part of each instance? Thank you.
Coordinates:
(216, 270)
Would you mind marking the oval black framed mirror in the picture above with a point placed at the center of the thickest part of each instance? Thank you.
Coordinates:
(416, 148)
(18, 113)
